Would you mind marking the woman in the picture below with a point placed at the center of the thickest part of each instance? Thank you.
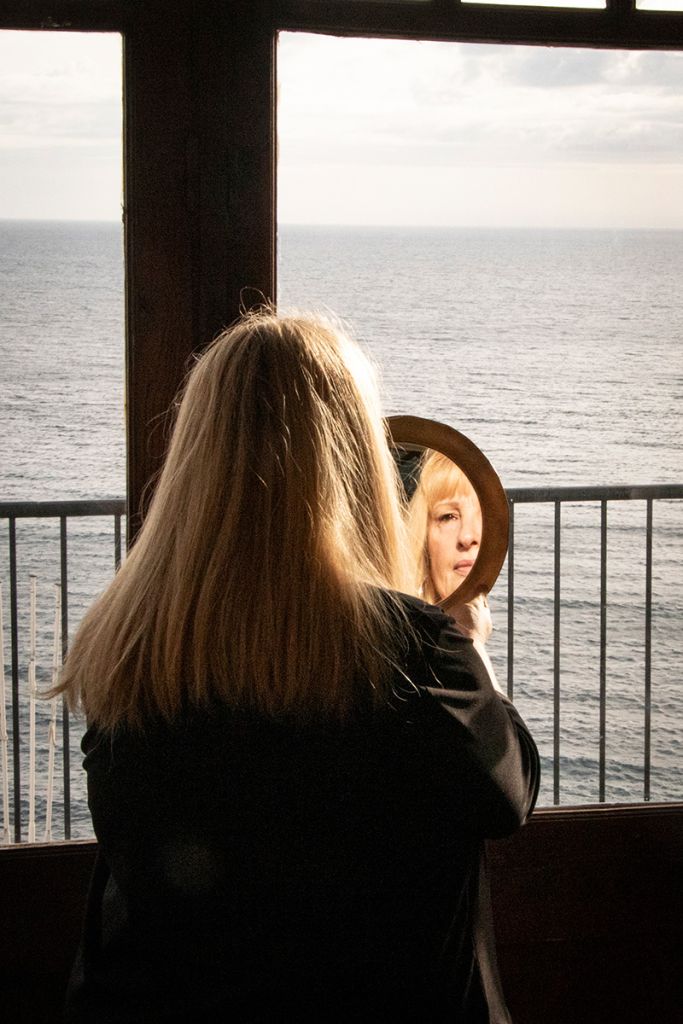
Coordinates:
(444, 523)
(291, 767)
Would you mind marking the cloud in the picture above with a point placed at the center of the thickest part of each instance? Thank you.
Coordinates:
(60, 125)
(41, 126)
(406, 132)
(546, 67)
(61, 88)
(431, 104)
(554, 68)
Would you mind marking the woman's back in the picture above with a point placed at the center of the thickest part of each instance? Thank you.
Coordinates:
(291, 767)
(263, 868)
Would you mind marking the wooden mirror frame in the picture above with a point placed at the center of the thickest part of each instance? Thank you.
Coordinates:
(416, 431)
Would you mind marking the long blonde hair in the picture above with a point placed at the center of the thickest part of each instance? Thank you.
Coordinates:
(438, 479)
(276, 518)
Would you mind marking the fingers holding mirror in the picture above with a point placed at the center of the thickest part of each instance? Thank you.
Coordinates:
(456, 511)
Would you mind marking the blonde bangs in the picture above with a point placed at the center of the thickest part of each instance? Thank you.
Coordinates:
(441, 480)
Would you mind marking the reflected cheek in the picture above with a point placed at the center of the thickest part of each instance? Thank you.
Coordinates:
(442, 553)
(443, 544)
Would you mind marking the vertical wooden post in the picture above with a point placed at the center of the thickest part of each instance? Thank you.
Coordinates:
(199, 201)
(236, 159)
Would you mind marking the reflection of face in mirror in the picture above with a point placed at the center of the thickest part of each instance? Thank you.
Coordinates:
(445, 524)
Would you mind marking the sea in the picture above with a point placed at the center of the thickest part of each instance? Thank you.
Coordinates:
(559, 353)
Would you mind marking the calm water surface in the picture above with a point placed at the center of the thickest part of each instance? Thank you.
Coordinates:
(558, 353)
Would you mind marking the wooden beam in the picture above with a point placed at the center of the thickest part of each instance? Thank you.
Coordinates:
(65, 15)
(235, 158)
(160, 237)
(620, 26)
(199, 202)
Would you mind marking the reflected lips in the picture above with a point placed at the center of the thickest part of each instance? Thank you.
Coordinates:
(464, 566)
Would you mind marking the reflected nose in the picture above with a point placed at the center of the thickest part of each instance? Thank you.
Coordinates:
(470, 531)
(466, 541)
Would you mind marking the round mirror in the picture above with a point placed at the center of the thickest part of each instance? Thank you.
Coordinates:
(457, 510)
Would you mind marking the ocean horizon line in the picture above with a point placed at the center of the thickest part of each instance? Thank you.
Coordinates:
(336, 225)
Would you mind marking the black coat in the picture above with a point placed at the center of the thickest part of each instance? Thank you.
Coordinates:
(256, 869)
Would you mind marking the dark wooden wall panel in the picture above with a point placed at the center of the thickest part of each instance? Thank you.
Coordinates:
(587, 905)
(42, 899)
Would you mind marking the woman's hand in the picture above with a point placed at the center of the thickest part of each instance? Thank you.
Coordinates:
(474, 618)
(474, 621)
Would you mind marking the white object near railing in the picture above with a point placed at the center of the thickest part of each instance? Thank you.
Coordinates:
(4, 741)
(32, 691)
(52, 729)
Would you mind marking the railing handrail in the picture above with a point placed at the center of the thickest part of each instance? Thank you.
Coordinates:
(50, 509)
(617, 492)
(518, 495)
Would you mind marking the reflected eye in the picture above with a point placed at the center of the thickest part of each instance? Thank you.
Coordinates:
(448, 517)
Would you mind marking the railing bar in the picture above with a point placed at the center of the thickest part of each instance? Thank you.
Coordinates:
(556, 658)
(54, 509)
(648, 652)
(14, 632)
(623, 492)
(511, 602)
(111, 506)
(603, 653)
(117, 540)
(63, 582)
(558, 495)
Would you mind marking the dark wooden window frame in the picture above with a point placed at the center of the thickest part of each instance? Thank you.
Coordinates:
(587, 899)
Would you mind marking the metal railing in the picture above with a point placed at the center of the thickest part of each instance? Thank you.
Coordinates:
(63, 511)
(559, 496)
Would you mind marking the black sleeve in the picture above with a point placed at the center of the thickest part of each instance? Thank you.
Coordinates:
(479, 737)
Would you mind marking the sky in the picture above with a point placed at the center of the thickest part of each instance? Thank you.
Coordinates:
(380, 132)
(60, 126)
